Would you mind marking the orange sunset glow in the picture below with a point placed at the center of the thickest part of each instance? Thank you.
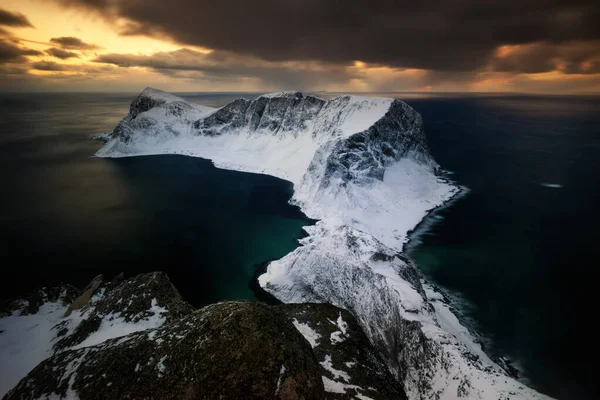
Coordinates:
(65, 45)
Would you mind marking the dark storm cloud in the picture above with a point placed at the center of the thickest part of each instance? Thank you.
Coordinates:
(217, 65)
(48, 66)
(72, 69)
(570, 58)
(8, 18)
(11, 53)
(73, 43)
(183, 59)
(60, 53)
(452, 35)
(12, 69)
(215, 62)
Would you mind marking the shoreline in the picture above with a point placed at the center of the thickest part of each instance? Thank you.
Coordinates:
(452, 300)
(260, 268)
(427, 222)
(261, 294)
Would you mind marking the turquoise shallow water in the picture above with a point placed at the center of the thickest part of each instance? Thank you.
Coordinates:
(67, 216)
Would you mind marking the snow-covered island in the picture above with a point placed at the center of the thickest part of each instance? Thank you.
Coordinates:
(361, 167)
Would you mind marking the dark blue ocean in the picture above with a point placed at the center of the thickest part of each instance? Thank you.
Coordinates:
(516, 255)
(67, 216)
(519, 253)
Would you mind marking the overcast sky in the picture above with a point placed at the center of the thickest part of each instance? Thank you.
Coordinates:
(335, 45)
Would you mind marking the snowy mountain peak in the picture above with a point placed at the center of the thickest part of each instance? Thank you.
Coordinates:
(158, 94)
(285, 94)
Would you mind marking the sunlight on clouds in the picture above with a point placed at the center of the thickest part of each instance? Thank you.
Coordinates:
(552, 76)
(132, 62)
(545, 82)
(506, 50)
(37, 72)
(50, 21)
(374, 78)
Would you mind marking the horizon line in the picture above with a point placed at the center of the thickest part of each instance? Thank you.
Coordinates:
(311, 91)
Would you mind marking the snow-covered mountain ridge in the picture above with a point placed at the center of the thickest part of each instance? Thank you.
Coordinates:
(361, 166)
(354, 158)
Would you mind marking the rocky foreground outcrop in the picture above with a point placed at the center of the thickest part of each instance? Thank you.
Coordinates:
(137, 338)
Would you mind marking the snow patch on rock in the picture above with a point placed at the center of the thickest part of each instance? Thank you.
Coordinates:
(337, 374)
(25, 340)
(339, 336)
(309, 334)
(279, 379)
(114, 325)
(332, 386)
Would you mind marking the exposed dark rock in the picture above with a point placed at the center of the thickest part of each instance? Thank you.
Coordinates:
(132, 300)
(343, 347)
(85, 297)
(364, 156)
(229, 350)
(133, 297)
(230, 117)
(287, 112)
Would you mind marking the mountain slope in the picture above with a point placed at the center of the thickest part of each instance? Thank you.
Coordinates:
(361, 166)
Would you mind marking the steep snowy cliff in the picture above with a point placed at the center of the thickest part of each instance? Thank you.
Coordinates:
(361, 166)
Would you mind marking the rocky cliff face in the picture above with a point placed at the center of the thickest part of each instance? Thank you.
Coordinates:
(287, 113)
(228, 350)
(349, 365)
